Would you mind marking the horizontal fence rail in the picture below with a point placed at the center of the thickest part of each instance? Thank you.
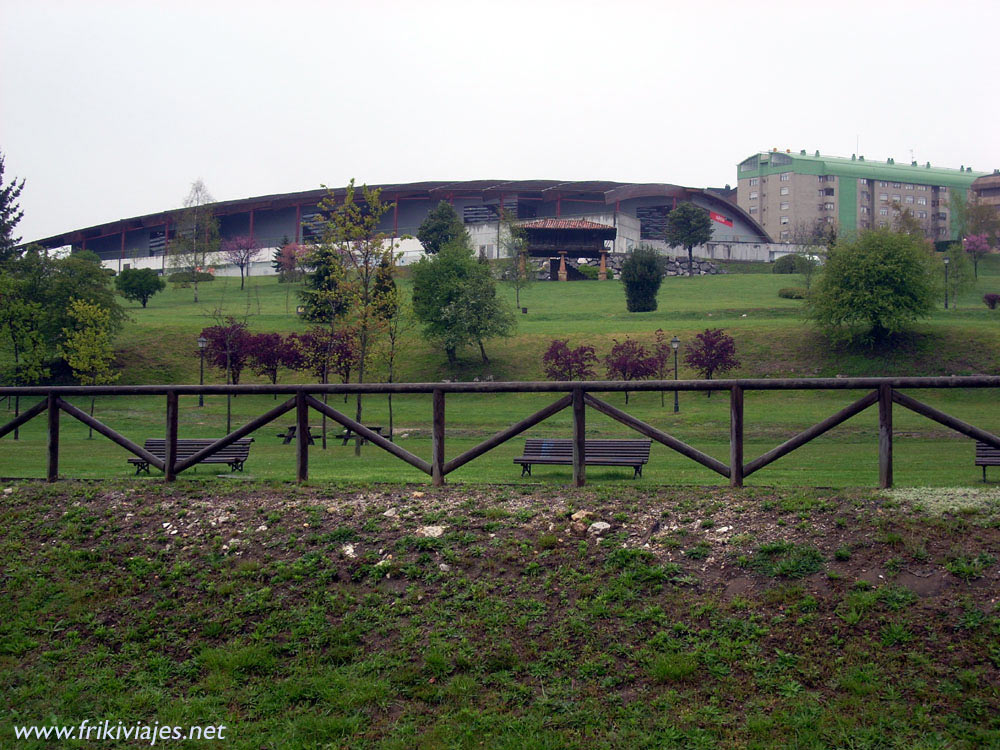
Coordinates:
(576, 395)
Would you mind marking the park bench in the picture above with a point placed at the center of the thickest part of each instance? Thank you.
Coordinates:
(632, 453)
(290, 431)
(986, 455)
(234, 454)
(348, 435)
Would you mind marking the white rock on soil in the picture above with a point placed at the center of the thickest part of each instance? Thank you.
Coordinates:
(598, 527)
(432, 531)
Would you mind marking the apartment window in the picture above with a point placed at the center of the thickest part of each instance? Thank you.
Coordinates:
(921, 187)
(943, 189)
(883, 211)
(884, 197)
(907, 187)
(784, 191)
(753, 195)
(829, 206)
(922, 200)
(909, 199)
(896, 198)
(821, 192)
(921, 214)
(785, 205)
(883, 184)
(866, 196)
(785, 234)
(862, 183)
(895, 184)
(753, 209)
(829, 220)
(753, 181)
(784, 219)
(882, 225)
(864, 210)
(785, 176)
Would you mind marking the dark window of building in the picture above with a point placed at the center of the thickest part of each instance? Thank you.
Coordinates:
(652, 222)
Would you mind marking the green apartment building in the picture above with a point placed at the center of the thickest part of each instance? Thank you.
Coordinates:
(791, 194)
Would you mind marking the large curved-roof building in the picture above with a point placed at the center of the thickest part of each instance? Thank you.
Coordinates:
(635, 211)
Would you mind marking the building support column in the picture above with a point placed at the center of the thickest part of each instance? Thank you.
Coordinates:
(298, 224)
(562, 266)
(602, 273)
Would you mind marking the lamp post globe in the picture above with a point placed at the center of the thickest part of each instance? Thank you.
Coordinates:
(675, 344)
(202, 343)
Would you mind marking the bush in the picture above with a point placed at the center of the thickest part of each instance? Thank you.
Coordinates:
(189, 277)
(785, 264)
(793, 292)
(642, 274)
(991, 300)
(591, 272)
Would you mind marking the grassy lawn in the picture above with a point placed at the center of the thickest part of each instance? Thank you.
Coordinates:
(335, 617)
(157, 346)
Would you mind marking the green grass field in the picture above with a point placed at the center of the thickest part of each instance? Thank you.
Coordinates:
(158, 346)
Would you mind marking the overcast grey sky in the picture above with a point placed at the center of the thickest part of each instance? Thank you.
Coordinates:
(110, 109)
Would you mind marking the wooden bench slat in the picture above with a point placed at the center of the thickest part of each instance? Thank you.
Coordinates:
(603, 452)
(234, 454)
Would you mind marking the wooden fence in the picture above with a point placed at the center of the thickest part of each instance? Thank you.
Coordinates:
(577, 395)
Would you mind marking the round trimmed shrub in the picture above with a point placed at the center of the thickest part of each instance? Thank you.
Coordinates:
(591, 272)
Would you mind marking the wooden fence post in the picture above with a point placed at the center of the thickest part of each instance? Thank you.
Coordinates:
(53, 406)
(301, 437)
(170, 447)
(579, 438)
(437, 439)
(736, 436)
(885, 436)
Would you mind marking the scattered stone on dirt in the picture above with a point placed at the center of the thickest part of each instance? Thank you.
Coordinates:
(444, 567)
(598, 527)
(348, 550)
(390, 513)
(581, 515)
(418, 494)
(8, 490)
(578, 529)
(432, 531)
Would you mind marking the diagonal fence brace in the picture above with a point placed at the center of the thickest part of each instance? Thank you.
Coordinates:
(25, 416)
(369, 435)
(946, 419)
(651, 432)
(813, 432)
(111, 434)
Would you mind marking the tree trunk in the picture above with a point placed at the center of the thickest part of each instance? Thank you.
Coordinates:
(690, 261)
(450, 352)
(17, 413)
(241, 278)
(482, 352)
(90, 433)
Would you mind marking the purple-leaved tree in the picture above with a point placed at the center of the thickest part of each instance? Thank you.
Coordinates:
(563, 363)
(629, 360)
(713, 351)
(228, 347)
(241, 251)
(269, 352)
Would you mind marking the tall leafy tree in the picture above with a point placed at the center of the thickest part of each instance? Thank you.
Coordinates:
(642, 274)
(712, 351)
(455, 298)
(874, 287)
(197, 235)
(10, 215)
(87, 347)
(363, 265)
(21, 335)
(688, 226)
(139, 284)
(515, 268)
(441, 227)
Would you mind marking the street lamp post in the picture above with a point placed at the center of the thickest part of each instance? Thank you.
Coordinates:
(946, 283)
(675, 345)
(202, 343)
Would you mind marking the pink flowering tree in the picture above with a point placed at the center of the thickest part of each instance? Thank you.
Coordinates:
(562, 363)
(629, 360)
(712, 351)
(241, 252)
(977, 246)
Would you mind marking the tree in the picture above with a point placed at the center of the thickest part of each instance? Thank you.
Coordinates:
(713, 351)
(87, 346)
(661, 357)
(10, 215)
(874, 287)
(241, 252)
(139, 284)
(977, 246)
(327, 351)
(629, 360)
(688, 226)
(642, 274)
(197, 235)
(228, 347)
(267, 353)
(514, 266)
(20, 319)
(288, 261)
(562, 363)
(455, 298)
(363, 265)
(441, 226)
(960, 276)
